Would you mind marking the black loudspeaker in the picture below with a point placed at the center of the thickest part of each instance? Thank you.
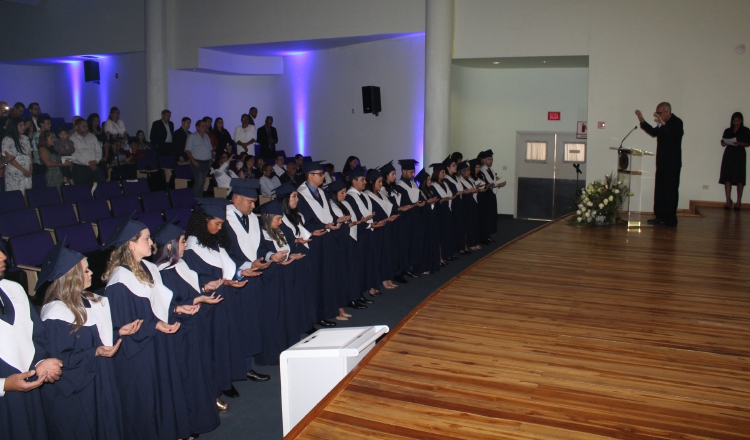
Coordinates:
(371, 100)
(91, 71)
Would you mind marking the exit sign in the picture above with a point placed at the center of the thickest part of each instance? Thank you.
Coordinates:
(553, 116)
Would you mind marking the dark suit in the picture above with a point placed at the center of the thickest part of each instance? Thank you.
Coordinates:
(267, 149)
(179, 139)
(668, 166)
(158, 137)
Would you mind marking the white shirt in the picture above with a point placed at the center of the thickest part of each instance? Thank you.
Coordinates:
(112, 127)
(87, 148)
(244, 135)
(169, 133)
(279, 170)
(268, 186)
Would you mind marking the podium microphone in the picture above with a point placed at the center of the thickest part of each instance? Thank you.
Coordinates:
(626, 136)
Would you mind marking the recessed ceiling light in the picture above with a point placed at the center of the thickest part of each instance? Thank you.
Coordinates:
(496, 62)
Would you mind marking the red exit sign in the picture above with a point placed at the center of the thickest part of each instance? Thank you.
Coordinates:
(553, 116)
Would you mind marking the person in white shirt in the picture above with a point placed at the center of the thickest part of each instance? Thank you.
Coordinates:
(269, 182)
(279, 167)
(244, 135)
(113, 126)
(86, 156)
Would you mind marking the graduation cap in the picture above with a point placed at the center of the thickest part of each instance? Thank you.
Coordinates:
(245, 187)
(214, 207)
(448, 161)
(462, 166)
(58, 261)
(126, 229)
(312, 166)
(166, 232)
(438, 166)
(387, 168)
(485, 154)
(373, 174)
(422, 175)
(356, 173)
(408, 164)
(474, 162)
(335, 186)
(285, 189)
(271, 208)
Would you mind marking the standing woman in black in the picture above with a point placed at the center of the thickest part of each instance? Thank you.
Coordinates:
(444, 214)
(733, 164)
(457, 206)
(384, 216)
(428, 220)
(470, 207)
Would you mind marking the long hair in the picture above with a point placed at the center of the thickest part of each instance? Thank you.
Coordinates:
(265, 222)
(388, 186)
(13, 133)
(333, 198)
(346, 165)
(69, 289)
(197, 228)
(737, 115)
(43, 141)
(90, 121)
(123, 257)
(423, 186)
(435, 176)
(292, 214)
(168, 253)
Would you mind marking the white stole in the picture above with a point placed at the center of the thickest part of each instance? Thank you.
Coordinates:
(443, 193)
(411, 189)
(185, 272)
(17, 347)
(384, 202)
(219, 259)
(322, 212)
(278, 170)
(248, 241)
(340, 213)
(364, 207)
(303, 232)
(98, 314)
(268, 237)
(467, 184)
(327, 179)
(159, 295)
(490, 179)
(396, 195)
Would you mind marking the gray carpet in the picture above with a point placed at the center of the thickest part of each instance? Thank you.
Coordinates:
(257, 412)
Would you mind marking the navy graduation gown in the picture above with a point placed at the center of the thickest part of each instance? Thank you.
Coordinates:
(369, 272)
(85, 402)
(348, 270)
(304, 285)
(148, 373)
(386, 259)
(446, 226)
(458, 210)
(21, 414)
(195, 352)
(430, 261)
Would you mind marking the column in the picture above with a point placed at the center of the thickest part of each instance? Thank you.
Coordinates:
(437, 93)
(156, 59)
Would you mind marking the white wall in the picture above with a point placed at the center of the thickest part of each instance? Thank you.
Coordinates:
(640, 53)
(33, 84)
(488, 107)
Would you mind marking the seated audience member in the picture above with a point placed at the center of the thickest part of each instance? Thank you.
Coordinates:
(86, 156)
(269, 182)
(140, 139)
(113, 126)
(222, 171)
(291, 174)
(278, 168)
(328, 174)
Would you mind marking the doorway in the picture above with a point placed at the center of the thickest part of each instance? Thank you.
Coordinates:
(550, 167)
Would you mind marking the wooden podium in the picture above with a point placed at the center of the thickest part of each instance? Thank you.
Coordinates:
(630, 172)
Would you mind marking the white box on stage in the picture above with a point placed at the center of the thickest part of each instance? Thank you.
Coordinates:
(312, 367)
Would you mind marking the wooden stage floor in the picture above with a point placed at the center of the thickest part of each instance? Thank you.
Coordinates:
(569, 333)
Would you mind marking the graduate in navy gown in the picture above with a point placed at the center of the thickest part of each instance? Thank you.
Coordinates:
(313, 206)
(488, 199)
(457, 205)
(191, 308)
(402, 228)
(24, 363)
(148, 370)
(306, 283)
(277, 320)
(412, 231)
(470, 206)
(243, 230)
(430, 261)
(385, 236)
(362, 213)
(443, 212)
(206, 254)
(85, 402)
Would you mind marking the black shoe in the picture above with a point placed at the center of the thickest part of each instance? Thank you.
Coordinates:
(453, 258)
(364, 300)
(258, 377)
(356, 305)
(231, 393)
(411, 274)
(485, 241)
(400, 279)
(326, 323)
(654, 221)
(667, 224)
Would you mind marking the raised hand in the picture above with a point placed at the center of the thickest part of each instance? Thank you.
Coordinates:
(188, 310)
(166, 328)
(208, 299)
(106, 351)
(129, 329)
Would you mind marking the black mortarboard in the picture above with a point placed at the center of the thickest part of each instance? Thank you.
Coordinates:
(58, 261)
(245, 187)
(372, 175)
(387, 168)
(474, 162)
(126, 229)
(356, 173)
(214, 207)
(312, 166)
(335, 186)
(166, 232)
(448, 161)
(485, 154)
(272, 208)
(285, 189)
(408, 164)
(463, 165)
(438, 166)
(422, 175)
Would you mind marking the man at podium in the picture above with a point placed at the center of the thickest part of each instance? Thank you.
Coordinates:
(668, 133)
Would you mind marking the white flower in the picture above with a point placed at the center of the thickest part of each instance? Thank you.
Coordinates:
(611, 198)
(589, 203)
(589, 219)
(606, 201)
(588, 214)
(601, 205)
(579, 219)
(578, 212)
(617, 191)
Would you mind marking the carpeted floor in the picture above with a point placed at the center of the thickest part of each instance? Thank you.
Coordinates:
(257, 412)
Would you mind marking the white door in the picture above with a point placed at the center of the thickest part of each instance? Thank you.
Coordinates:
(546, 175)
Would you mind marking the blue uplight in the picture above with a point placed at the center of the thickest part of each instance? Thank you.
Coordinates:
(75, 73)
(299, 71)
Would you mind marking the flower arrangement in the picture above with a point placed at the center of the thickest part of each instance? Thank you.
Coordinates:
(599, 202)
